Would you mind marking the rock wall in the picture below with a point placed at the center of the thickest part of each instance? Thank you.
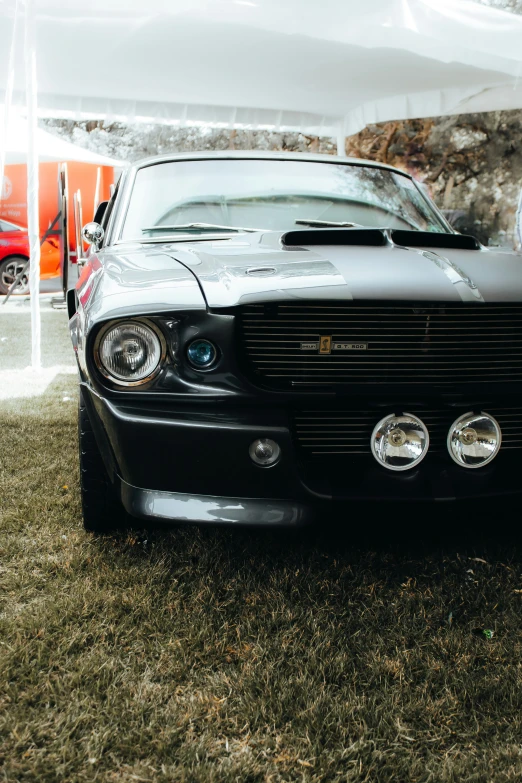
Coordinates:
(471, 163)
(512, 6)
(132, 142)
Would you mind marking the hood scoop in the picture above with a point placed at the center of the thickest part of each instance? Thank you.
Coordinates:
(373, 237)
(432, 239)
(376, 237)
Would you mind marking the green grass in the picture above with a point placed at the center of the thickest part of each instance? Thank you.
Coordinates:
(15, 338)
(216, 655)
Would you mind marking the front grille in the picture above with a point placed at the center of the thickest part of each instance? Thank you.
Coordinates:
(421, 343)
(330, 431)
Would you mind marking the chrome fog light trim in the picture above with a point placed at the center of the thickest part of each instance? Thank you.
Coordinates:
(400, 442)
(474, 439)
(265, 452)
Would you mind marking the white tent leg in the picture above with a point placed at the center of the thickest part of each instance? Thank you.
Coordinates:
(33, 217)
(97, 190)
(518, 223)
(8, 99)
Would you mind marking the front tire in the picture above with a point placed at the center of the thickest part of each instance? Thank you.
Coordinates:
(102, 510)
(9, 270)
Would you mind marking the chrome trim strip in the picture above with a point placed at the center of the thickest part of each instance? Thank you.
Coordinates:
(172, 238)
(208, 509)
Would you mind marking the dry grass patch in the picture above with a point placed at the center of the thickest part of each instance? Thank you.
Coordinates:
(215, 655)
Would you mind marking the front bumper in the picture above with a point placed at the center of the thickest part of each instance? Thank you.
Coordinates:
(204, 509)
(191, 464)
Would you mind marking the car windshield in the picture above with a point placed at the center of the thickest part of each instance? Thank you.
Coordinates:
(175, 197)
(5, 225)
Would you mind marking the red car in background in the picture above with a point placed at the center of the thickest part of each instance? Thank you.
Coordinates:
(14, 252)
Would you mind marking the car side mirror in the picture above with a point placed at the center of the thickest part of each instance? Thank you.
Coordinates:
(93, 234)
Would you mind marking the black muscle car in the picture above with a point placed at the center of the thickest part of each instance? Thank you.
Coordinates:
(259, 334)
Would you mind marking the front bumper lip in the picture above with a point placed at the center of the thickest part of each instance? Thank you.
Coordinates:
(158, 505)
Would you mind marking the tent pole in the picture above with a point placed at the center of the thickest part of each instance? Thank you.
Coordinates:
(518, 223)
(33, 218)
(97, 191)
(341, 141)
(8, 99)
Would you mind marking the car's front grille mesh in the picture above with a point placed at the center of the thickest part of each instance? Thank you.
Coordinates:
(332, 430)
(421, 343)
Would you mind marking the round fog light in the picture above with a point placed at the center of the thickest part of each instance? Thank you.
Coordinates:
(474, 440)
(264, 452)
(202, 354)
(400, 442)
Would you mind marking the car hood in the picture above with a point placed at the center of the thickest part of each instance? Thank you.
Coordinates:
(260, 267)
(134, 279)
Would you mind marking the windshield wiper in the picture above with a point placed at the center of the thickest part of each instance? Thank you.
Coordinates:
(199, 228)
(326, 224)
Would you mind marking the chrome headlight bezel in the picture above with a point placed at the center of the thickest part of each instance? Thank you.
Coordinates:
(132, 321)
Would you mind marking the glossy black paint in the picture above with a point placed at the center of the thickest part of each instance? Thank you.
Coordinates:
(372, 237)
(375, 237)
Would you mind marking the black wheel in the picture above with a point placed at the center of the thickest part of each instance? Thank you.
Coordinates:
(10, 268)
(102, 510)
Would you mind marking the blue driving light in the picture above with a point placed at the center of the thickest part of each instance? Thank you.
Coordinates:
(202, 354)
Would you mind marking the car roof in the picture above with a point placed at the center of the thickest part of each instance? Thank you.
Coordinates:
(262, 155)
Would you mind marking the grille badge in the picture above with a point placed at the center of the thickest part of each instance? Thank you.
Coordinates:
(325, 346)
(349, 346)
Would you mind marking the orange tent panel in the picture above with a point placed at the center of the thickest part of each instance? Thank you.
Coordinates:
(81, 176)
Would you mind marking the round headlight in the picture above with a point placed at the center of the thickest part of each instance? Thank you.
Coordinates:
(400, 442)
(129, 352)
(202, 354)
(474, 440)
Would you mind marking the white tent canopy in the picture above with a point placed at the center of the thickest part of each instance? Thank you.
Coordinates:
(50, 148)
(325, 68)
